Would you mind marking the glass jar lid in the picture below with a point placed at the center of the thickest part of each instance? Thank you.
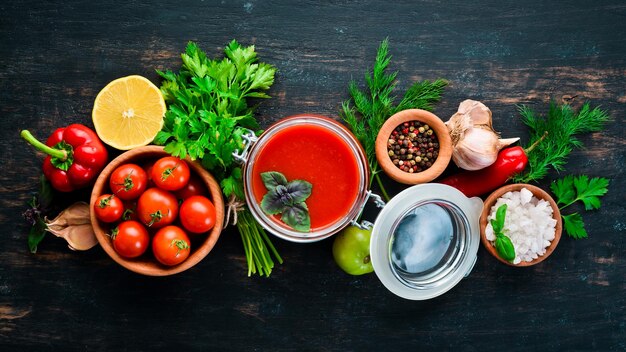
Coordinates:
(425, 240)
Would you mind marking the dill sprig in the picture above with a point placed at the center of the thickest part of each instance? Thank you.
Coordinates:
(375, 105)
(562, 124)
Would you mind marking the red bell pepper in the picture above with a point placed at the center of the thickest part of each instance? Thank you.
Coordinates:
(75, 156)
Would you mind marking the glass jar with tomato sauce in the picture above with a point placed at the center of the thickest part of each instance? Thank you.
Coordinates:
(320, 151)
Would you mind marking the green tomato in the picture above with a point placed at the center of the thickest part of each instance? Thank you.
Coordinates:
(351, 250)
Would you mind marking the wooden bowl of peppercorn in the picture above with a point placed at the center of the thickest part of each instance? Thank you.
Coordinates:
(413, 146)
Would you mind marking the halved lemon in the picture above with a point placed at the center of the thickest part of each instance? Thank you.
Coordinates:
(128, 112)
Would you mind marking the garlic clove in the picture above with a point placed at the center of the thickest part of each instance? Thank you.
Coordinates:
(506, 142)
(457, 125)
(75, 214)
(78, 237)
(479, 113)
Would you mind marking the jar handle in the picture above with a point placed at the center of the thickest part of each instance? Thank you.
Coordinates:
(248, 139)
(364, 224)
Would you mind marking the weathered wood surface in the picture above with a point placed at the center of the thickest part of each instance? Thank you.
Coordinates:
(55, 56)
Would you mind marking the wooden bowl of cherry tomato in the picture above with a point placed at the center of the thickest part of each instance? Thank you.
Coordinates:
(155, 214)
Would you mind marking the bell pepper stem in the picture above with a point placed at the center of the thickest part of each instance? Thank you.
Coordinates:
(55, 153)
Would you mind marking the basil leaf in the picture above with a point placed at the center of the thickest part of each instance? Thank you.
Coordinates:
(297, 216)
(36, 235)
(500, 215)
(505, 248)
(45, 192)
(272, 202)
(271, 179)
(496, 226)
(299, 190)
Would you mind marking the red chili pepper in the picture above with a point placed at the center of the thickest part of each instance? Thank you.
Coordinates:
(510, 161)
(75, 156)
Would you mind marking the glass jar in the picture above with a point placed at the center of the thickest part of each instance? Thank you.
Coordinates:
(339, 136)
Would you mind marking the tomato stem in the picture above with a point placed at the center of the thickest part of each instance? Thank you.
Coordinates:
(55, 153)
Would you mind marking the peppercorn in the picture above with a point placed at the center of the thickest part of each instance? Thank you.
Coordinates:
(413, 146)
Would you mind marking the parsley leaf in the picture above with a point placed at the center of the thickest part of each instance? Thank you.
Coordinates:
(571, 189)
(574, 226)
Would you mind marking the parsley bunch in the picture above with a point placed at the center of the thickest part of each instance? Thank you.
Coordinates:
(374, 106)
(207, 115)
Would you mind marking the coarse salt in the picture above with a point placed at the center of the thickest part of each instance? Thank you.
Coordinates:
(528, 223)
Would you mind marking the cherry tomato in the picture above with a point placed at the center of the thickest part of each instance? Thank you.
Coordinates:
(157, 208)
(130, 239)
(197, 214)
(128, 181)
(194, 187)
(108, 208)
(170, 173)
(148, 169)
(171, 245)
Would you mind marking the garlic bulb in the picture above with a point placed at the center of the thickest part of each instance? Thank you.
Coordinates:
(475, 143)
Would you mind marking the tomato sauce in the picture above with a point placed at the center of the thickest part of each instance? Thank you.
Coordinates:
(317, 155)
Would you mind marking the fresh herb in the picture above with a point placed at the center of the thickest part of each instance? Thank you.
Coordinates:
(207, 115)
(288, 199)
(35, 214)
(562, 124)
(571, 189)
(503, 243)
(374, 106)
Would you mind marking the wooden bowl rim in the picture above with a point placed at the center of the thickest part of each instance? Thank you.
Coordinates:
(445, 146)
(156, 269)
(537, 192)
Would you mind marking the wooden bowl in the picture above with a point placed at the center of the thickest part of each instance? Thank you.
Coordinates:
(147, 264)
(537, 192)
(445, 146)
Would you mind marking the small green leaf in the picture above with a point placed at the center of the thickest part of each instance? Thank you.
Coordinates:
(36, 235)
(271, 179)
(564, 190)
(275, 201)
(45, 192)
(297, 216)
(505, 247)
(299, 190)
(498, 224)
(591, 202)
(574, 226)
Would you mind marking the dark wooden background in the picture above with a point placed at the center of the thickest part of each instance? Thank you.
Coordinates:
(56, 55)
